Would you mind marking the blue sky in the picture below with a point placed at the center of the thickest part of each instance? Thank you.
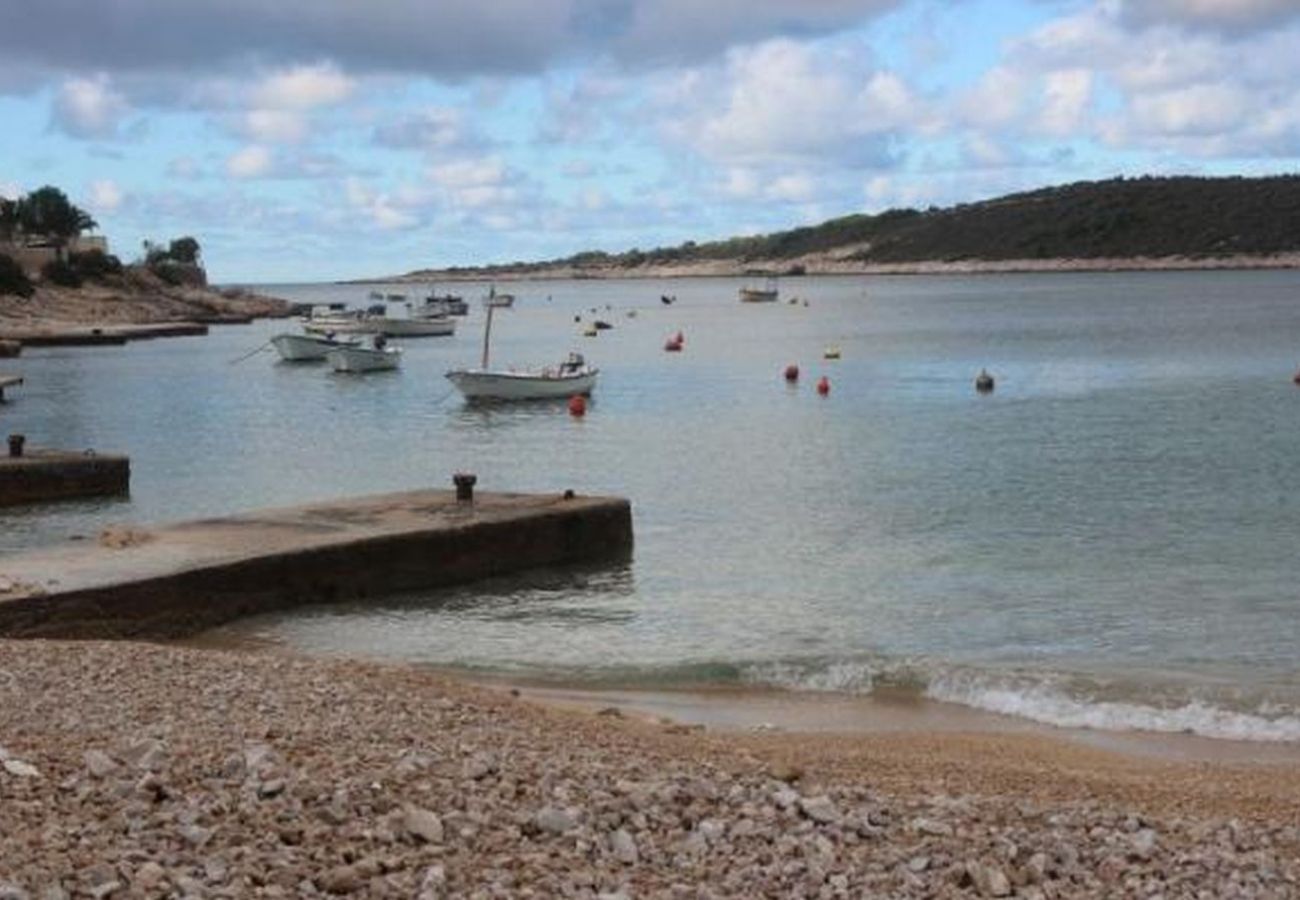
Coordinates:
(316, 139)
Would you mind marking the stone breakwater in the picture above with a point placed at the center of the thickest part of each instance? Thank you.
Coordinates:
(131, 770)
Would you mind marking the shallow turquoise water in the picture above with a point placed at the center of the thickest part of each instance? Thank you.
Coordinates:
(1109, 539)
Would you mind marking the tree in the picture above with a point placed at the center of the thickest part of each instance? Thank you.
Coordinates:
(10, 218)
(13, 280)
(47, 211)
(184, 250)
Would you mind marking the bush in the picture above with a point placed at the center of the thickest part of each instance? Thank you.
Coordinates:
(13, 280)
(96, 265)
(61, 272)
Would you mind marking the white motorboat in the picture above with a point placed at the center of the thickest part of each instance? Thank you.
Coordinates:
(370, 324)
(358, 359)
(307, 347)
(572, 376)
(766, 294)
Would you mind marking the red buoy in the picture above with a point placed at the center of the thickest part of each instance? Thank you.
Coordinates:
(1296, 377)
(792, 372)
(823, 386)
(577, 406)
(674, 343)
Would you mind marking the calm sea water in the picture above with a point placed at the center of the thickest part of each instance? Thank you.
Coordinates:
(1110, 539)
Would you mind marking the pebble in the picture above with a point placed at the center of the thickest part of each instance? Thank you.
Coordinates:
(422, 824)
(553, 820)
(623, 846)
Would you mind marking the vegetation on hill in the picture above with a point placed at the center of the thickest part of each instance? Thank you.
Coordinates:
(1122, 218)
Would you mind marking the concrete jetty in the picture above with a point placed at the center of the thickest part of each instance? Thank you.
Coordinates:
(38, 474)
(84, 336)
(177, 580)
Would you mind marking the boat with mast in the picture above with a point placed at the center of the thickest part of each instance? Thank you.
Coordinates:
(571, 376)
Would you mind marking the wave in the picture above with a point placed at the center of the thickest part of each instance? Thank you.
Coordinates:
(1053, 698)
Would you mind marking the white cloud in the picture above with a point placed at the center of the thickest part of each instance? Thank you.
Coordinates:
(89, 107)
(1066, 95)
(1226, 15)
(475, 183)
(105, 197)
(251, 162)
(304, 88)
(431, 128)
(275, 126)
(378, 208)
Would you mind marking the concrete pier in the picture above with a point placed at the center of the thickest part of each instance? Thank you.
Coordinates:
(177, 580)
(40, 475)
(82, 336)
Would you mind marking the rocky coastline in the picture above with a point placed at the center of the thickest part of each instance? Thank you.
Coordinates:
(134, 770)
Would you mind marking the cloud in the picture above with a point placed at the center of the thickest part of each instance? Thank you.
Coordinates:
(475, 184)
(1231, 17)
(277, 126)
(89, 108)
(431, 128)
(379, 209)
(250, 162)
(105, 197)
(304, 88)
(445, 40)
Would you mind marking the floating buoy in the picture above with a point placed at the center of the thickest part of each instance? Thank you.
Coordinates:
(792, 372)
(673, 346)
(590, 331)
(823, 386)
(831, 353)
(577, 406)
(984, 382)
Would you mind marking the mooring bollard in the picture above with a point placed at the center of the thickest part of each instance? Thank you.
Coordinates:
(464, 482)
(16, 442)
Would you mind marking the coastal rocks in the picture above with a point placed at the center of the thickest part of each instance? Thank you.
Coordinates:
(623, 847)
(20, 769)
(99, 763)
(552, 820)
(422, 825)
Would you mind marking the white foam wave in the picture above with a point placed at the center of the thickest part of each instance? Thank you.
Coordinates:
(846, 676)
(1043, 703)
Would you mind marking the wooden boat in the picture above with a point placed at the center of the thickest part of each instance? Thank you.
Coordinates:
(307, 347)
(570, 377)
(498, 300)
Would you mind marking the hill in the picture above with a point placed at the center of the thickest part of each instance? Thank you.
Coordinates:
(1119, 223)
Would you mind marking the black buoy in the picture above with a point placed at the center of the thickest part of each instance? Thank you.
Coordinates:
(984, 382)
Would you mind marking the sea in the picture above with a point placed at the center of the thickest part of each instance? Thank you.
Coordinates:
(1109, 540)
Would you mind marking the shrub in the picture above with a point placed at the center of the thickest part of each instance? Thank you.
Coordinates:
(13, 280)
(95, 264)
(61, 272)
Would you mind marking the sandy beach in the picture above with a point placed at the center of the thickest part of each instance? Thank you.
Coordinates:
(134, 770)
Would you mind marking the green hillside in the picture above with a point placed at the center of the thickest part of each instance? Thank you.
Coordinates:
(1119, 218)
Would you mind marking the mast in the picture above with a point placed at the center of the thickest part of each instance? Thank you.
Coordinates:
(487, 334)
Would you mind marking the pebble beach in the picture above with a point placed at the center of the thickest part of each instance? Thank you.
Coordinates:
(136, 770)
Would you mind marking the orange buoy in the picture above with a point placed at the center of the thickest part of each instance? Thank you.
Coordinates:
(823, 386)
(792, 372)
(577, 406)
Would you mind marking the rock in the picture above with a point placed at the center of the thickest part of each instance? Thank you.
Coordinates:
(1142, 844)
(785, 797)
(553, 820)
(787, 772)
(480, 766)
(612, 712)
(10, 891)
(273, 788)
(340, 880)
(623, 847)
(99, 763)
(918, 864)
(100, 891)
(990, 881)
(195, 835)
(932, 827)
(422, 824)
(820, 809)
(149, 876)
(20, 769)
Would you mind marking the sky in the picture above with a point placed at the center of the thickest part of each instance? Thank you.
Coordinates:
(309, 140)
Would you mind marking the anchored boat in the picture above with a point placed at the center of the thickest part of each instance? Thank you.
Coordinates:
(570, 377)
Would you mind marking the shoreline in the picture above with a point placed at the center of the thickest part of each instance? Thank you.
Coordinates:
(833, 264)
(147, 770)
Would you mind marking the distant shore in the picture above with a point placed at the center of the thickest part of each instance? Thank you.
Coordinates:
(837, 264)
(132, 769)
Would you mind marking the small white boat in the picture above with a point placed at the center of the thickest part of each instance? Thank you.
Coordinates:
(368, 324)
(358, 359)
(573, 376)
(767, 294)
(307, 347)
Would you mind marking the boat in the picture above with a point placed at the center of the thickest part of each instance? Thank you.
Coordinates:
(371, 324)
(498, 300)
(395, 298)
(440, 305)
(375, 295)
(307, 347)
(358, 359)
(571, 377)
(767, 294)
